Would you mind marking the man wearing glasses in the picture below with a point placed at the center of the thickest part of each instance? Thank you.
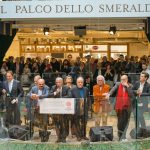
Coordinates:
(123, 105)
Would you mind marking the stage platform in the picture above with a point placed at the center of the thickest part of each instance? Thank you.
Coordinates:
(72, 144)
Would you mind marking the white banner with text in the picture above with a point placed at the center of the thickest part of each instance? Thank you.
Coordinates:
(57, 106)
(74, 9)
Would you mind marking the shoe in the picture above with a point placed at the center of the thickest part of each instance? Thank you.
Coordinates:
(58, 141)
(78, 139)
(44, 135)
(63, 140)
(85, 138)
(124, 140)
(73, 136)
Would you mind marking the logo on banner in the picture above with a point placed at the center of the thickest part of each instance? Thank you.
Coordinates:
(68, 105)
(95, 47)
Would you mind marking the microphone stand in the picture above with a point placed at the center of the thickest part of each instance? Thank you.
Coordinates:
(84, 115)
(136, 119)
(30, 113)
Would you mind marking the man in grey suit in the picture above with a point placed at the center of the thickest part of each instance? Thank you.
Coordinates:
(61, 121)
(37, 93)
(13, 91)
(142, 92)
(81, 94)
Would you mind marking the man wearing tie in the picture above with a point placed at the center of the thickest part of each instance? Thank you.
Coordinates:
(61, 121)
(13, 91)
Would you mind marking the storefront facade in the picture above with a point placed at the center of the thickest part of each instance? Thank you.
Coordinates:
(130, 20)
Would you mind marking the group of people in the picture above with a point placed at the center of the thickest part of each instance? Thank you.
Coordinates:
(26, 69)
(13, 92)
(129, 96)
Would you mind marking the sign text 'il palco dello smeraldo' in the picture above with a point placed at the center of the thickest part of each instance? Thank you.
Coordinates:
(74, 9)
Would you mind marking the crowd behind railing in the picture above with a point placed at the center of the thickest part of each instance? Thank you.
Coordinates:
(111, 69)
(91, 82)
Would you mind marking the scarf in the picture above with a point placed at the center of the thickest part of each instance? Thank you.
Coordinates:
(122, 99)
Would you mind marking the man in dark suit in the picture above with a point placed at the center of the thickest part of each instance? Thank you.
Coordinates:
(123, 105)
(13, 91)
(61, 121)
(120, 66)
(81, 94)
(142, 92)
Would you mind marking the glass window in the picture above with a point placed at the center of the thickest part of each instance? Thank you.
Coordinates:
(119, 48)
(116, 50)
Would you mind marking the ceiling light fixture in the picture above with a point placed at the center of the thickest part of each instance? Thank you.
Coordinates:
(80, 31)
(46, 30)
(112, 30)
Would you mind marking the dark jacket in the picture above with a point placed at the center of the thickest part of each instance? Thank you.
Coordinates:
(65, 92)
(145, 93)
(114, 90)
(75, 93)
(1, 87)
(17, 90)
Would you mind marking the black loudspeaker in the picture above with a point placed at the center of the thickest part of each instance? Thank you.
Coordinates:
(8, 28)
(14, 31)
(20, 132)
(1, 28)
(141, 133)
(103, 133)
(80, 30)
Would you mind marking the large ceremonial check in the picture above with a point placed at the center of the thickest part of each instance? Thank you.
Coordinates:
(57, 106)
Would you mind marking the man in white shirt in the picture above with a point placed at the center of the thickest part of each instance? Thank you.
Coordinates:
(13, 91)
(146, 69)
(142, 92)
